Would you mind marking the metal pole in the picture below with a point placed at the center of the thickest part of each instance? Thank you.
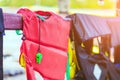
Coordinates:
(12, 21)
(63, 6)
(1, 43)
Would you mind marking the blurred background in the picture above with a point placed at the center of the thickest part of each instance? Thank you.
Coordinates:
(12, 41)
(92, 4)
(65, 6)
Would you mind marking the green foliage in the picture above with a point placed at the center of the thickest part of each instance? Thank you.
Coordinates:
(53, 3)
(108, 4)
(17, 3)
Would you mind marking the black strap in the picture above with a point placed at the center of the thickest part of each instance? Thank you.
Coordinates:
(101, 50)
(43, 19)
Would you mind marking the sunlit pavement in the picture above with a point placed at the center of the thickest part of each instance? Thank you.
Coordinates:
(98, 12)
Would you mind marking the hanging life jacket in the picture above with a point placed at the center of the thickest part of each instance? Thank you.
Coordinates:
(45, 44)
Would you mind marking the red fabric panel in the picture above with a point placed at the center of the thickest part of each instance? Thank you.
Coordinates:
(54, 31)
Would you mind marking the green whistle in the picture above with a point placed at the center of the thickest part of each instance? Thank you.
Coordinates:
(38, 57)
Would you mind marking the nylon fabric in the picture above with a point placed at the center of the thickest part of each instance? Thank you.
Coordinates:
(53, 42)
(89, 27)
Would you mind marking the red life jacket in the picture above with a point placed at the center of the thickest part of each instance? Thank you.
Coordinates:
(51, 36)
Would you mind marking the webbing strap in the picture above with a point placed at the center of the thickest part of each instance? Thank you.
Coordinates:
(40, 17)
